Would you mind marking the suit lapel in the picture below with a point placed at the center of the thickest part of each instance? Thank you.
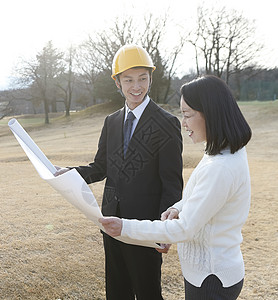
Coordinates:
(119, 126)
(147, 113)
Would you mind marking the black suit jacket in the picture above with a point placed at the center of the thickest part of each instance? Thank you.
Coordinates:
(149, 179)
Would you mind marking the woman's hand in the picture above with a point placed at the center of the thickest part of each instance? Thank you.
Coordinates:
(170, 214)
(112, 225)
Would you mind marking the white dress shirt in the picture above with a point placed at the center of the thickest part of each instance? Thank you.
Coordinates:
(137, 111)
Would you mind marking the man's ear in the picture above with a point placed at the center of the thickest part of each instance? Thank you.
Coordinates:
(117, 82)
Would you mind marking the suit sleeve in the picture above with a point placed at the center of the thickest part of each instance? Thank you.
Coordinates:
(96, 171)
(170, 166)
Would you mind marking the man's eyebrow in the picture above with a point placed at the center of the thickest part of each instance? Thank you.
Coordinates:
(143, 74)
(129, 76)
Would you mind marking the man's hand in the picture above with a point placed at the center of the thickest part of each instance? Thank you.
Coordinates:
(165, 249)
(60, 171)
(112, 225)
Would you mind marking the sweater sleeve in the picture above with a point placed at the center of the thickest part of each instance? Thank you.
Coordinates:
(178, 205)
(214, 185)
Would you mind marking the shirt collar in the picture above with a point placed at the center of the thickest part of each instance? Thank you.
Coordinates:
(137, 111)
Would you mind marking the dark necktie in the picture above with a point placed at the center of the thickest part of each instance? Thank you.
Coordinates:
(127, 129)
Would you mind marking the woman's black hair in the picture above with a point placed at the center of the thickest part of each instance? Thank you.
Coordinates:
(225, 123)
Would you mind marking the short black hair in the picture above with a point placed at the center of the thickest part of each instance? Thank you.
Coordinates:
(225, 123)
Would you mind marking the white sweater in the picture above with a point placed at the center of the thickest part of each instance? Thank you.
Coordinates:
(215, 205)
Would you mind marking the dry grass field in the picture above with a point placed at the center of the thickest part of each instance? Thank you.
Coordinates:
(49, 250)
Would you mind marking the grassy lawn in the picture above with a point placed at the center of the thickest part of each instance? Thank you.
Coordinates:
(30, 120)
(266, 103)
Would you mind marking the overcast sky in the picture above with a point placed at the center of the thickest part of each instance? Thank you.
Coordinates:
(27, 25)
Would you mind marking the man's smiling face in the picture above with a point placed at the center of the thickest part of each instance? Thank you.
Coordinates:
(134, 84)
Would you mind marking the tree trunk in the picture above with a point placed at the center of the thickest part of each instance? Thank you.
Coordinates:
(46, 111)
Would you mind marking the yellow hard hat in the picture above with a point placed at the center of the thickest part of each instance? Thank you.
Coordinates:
(130, 56)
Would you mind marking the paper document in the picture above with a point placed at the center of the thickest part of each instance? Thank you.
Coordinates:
(70, 184)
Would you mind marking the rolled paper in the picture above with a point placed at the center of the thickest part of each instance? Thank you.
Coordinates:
(41, 163)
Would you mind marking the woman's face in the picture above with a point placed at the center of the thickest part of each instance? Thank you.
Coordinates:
(194, 122)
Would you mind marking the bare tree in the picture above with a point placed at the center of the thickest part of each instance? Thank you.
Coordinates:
(88, 64)
(224, 42)
(41, 75)
(66, 80)
(153, 39)
(6, 107)
(171, 67)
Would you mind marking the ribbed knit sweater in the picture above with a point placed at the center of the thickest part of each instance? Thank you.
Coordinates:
(214, 207)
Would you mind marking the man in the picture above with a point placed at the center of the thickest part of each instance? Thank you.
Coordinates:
(143, 171)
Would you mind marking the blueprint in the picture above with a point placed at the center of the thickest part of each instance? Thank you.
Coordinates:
(70, 184)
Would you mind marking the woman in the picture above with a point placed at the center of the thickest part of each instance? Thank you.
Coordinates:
(207, 222)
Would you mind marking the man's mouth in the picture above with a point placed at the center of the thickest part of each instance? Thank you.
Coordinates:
(190, 132)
